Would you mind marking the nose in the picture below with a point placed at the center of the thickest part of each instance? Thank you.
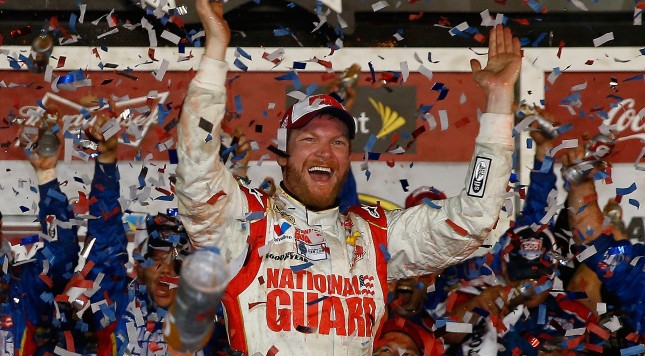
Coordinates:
(324, 150)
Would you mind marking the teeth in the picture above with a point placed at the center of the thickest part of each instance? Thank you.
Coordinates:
(320, 169)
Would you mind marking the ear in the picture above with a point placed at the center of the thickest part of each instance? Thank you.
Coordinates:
(282, 161)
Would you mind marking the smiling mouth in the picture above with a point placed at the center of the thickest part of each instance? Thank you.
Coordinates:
(320, 174)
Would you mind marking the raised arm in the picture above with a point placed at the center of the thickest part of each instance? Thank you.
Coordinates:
(424, 239)
(107, 235)
(209, 197)
(44, 278)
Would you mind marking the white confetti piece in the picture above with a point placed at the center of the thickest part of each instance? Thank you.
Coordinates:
(603, 39)
(83, 8)
(397, 36)
(463, 98)
(48, 73)
(110, 129)
(379, 5)
(425, 71)
(613, 324)
(452, 327)
(417, 58)
(601, 308)
(579, 87)
(298, 95)
(565, 144)
(459, 28)
(575, 332)
(111, 32)
(152, 35)
(443, 119)
(432, 123)
(579, 4)
(167, 35)
(282, 139)
(161, 72)
(341, 22)
(590, 251)
(405, 71)
(638, 16)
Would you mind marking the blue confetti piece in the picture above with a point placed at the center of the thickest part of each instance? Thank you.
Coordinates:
(24, 209)
(635, 203)
(56, 195)
(429, 203)
(372, 73)
(636, 77)
(535, 6)
(571, 98)
(368, 174)
(255, 215)
(86, 113)
(284, 227)
(513, 178)
(72, 21)
(279, 32)
(546, 164)
(28, 240)
(240, 65)
(109, 313)
(600, 175)
(386, 255)
(49, 255)
(542, 314)
(481, 312)
(173, 158)
(165, 198)
(564, 128)
(316, 301)
(543, 287)
(538, 40)
(373, 156)
(243, 53)
(299, 65)
(238, 104)
(626, 191)
(47, 297)
(370, 143)
(311, 89)
(293, 76)
(634, 350)
(642, 50)
(208, 138)
(529, 143)
(301, 267)
(162, 113)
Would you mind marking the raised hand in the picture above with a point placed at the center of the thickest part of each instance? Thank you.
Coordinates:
(107, 148)
(28, 138)
(501, 72)
(218, 35)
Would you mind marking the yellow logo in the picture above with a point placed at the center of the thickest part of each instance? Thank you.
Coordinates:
(390, 119)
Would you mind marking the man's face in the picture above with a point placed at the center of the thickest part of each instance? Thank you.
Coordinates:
(160, 292)
(318, 162)
(396, 344)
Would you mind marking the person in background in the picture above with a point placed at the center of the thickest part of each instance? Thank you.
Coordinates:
(617, 262)
(400, 337)
(297, 239)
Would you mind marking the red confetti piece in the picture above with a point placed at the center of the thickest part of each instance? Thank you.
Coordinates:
(598, 331)
(261, 280)
(215, 197)
(69, 341)
(272, 351)
(462, 122)
(48, 281)
(61, 61)
(589, 62)
(560, 48)
(458, 229)
(414, 17)
(154, 347)
(170, 279)
(450, 303)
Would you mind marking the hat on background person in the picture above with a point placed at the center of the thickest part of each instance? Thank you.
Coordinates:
(302, 112)
(165, 232)
(527, 256)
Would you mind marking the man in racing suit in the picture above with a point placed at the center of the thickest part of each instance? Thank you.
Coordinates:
(308, 279)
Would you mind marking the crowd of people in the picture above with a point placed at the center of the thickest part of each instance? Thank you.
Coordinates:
(310, 278)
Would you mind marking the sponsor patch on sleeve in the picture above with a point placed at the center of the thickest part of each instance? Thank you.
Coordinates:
(477, 184)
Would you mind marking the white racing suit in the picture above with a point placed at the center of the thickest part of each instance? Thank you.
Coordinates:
(315, 282)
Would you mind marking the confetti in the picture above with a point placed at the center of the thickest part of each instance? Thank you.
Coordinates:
(603, 39)
(379, 5)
